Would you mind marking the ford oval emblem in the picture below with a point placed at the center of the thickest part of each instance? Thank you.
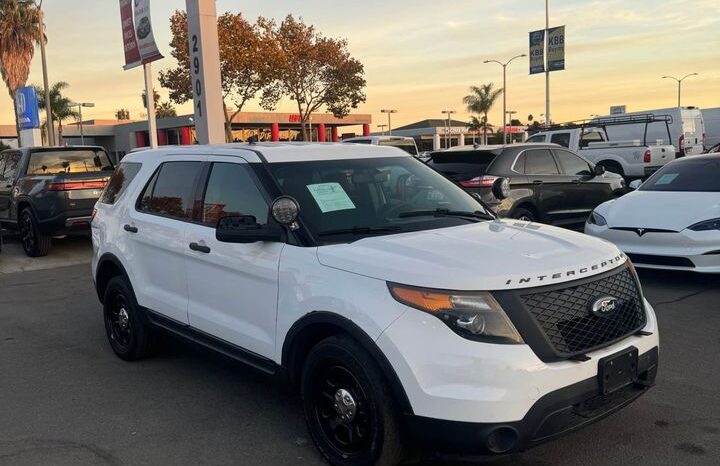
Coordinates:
(604, 307)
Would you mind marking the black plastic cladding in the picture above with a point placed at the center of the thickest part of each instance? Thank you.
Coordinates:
(556, 320)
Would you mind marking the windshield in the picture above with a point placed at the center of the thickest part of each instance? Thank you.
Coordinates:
(690, 175)
(345, 200)
(405, 144)
(61, 162)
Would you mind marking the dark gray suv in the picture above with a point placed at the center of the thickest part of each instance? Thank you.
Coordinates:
(47, 192)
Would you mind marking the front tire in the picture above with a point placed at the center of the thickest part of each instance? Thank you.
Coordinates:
(34, 243)
(128, 334)
(348, 406)
(524, 215)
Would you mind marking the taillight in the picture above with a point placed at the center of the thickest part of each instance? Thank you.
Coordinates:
(648, 156)
(682, 145)
(73, 185)
(479, 182)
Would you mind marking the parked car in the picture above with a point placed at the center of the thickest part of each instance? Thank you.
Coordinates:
(637, 157)
(711, 120)
(672, 221)
(47, 192)
(687, 129)
(405, 143)
(547, 183)
(332, 264)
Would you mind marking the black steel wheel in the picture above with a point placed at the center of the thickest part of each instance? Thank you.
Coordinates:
(348, 406)
(34, 244)
(127, 332)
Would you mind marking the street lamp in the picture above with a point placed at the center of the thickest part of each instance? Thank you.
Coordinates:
(389, 113)
(80, 121)
(504, 67)
(679, 81)
(447, 128)
(382, 129)
(510, 113)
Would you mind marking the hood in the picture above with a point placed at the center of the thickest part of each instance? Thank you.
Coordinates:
(661, 209)
(489, 256)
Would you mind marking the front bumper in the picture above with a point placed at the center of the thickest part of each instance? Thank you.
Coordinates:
(694, 251)
(554, 414)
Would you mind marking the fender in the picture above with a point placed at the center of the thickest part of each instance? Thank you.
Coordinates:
(319, 318)
(104, 259)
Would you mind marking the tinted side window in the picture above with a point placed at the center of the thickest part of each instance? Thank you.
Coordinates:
(519, 165)
(561, 138)
(592, 136)
(536, 138)
(572, 164)
(171, 191)
(540, 162)
(119, 182)
(231, 192)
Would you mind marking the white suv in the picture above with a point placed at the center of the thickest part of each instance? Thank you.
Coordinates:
(395, 302)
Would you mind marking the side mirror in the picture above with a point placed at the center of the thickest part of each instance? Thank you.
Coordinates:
(635, 184)
(245, 229)
(599, 170)
(501, 188)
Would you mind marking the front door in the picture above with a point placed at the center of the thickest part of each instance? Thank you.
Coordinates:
(233, 288)
(544, 175)
(585, 191)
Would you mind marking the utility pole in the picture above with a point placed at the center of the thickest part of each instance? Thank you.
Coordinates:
(389, 113)
(49, 124)
(504, 67)
(447, 128)
(547, 71)
(80, 121)
(679, 83)
(382, 129)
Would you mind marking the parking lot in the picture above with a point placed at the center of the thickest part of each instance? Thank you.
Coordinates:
(66, 399)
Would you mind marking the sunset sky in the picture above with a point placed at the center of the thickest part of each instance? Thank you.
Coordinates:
(420, 56)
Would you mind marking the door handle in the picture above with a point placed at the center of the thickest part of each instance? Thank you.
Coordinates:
(130, 228)
(200, 248)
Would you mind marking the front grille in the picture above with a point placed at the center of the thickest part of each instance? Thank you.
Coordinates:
(564, 317)
(669, 261)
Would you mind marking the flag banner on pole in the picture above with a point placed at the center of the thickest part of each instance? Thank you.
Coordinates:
(556, 49)
(537, 52)
(138, 37)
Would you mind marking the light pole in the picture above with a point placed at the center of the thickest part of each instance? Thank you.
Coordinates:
(80, 121)
(679, 81)
(389, 113)
(504, 67)
(48, 105)
(510, 113)
(447, 128)
(382, 129)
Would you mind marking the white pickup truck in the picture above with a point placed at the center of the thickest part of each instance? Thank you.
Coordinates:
(632, 158)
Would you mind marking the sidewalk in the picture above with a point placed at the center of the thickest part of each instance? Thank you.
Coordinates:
(64, 252)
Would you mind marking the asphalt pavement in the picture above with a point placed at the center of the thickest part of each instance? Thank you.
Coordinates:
(65, 399)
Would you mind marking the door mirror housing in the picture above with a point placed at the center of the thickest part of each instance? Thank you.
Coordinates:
(501, 188)
(635, 184)
(598, 170)
(245, 229)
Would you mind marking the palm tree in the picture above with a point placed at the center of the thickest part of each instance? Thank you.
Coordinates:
(165, 110)
(59, 105)
(19, 32)
(480, 101)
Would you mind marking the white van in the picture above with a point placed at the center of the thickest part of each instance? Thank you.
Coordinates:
(711, 118)
(405, 143)
(686, 130)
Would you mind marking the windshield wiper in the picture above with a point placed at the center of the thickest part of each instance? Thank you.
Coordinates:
(359, 231)
(447, 213)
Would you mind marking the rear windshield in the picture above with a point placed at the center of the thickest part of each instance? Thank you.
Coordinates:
(404, 144)
(690, 175)
(63, 161)
(462, 165)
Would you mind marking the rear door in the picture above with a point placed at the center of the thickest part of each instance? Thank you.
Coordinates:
(233, 288)
(156, 230)
(550, 187)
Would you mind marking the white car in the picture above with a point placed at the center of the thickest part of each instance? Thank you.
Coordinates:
(398, 306)
(401, 142)
(672, 221)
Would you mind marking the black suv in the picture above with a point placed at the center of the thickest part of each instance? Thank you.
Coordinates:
(548, 183)
(50, 191)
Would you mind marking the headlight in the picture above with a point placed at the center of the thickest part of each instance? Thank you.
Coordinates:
(706, 225)
(475, 316)
(596, 219)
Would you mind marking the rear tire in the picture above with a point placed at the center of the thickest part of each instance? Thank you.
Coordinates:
(524, 215)
(129, 336)
(348, 407)
(613, 167)
(34, 243)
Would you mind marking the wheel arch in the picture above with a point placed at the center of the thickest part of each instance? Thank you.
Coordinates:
(316, 326)
(528, 205)
(109, 266)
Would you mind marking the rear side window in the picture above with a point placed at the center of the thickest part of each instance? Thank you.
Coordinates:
(61, 161)
(592, 136)
(119, 182)
(462, 165)
(540, 162)
(232, 192)
(562, 139)
(171, 191)
(537, 138)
